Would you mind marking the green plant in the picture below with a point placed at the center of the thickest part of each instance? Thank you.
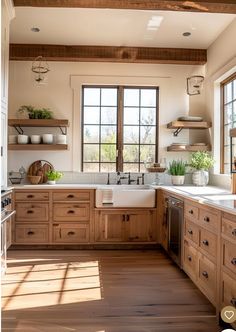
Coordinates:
(54, 175)
(34, 113)
(177, 167)
(201, 160)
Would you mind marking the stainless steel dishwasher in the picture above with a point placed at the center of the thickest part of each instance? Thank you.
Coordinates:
(175, 229)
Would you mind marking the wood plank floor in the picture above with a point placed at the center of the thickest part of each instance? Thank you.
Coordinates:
(101, 291)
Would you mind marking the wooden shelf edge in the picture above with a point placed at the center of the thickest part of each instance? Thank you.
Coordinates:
(35, 147)
(38, 122)
(189, 125)
(189, 148)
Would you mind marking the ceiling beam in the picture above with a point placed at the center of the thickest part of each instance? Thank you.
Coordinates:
(206, 6)
(82, 53)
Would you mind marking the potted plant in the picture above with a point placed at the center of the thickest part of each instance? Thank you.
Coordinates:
(177, 170)
(53, 176)
(201, 161)
(34, 113)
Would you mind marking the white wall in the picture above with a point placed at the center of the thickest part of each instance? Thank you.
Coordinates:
(58, 95)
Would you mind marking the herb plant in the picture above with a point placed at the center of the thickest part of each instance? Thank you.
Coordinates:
(201, 160)
(54, 175)
(177, 167)
(34, 113)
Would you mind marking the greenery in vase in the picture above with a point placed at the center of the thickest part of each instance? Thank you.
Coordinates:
(201, 160)
(34, 113)
(54, 175)
(177, 167)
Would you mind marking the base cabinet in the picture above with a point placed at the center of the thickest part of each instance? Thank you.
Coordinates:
(70, 233)
(125, 226)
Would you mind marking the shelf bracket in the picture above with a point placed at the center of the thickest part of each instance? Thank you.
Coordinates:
(63, 130)
(19, 130)
(177, 131)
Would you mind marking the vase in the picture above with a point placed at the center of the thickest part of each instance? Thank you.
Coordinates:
(200, 177)
(177, 180)
(51, 182)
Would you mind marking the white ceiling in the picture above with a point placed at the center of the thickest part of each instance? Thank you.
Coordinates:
(111, 27)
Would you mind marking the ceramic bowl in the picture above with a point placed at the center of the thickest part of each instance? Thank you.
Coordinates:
(48, 139)
(35, 139)
(61, 139)
(22, 139)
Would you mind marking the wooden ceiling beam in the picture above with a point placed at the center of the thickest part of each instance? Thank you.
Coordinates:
(206, 6)
(82, 53)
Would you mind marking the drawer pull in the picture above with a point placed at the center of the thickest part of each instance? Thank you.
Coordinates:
(233, 261)
(190, 231)
(190, 258)
(205, 242)
(30, 233)
(234, 232)
(233, 302)
(30, 196)
(123, 217)
(71, 233)
(190, 211)
(30, 211)
(70, 211)
(205, 274)
(70, 196)
(207, 219)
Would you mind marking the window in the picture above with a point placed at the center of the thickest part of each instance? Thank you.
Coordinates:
(228, 119)
(119, 128)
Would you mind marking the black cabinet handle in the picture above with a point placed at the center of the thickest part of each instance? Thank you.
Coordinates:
(70, 211)
(190, 211)
(70, 196)
(205, 274)
(233, 261)
(233, 302)
(30, 196)
(71, 233)
(30, 211)
(30, 233)
(205, 242)
(207, 219)
(123, 217)
(127, 219)
(190, 231)
(234, 232)
(190, 258)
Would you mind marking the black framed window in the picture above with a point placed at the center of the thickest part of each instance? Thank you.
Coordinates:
(119, 128)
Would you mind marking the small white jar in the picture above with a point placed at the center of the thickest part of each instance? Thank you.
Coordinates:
(47, 138)
(12, 139)
(35, 139)
(22, 139)
(60, 139)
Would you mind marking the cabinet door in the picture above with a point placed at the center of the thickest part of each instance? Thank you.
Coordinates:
(110, 226)
(140, 226)
(3, 149)
(163, 219)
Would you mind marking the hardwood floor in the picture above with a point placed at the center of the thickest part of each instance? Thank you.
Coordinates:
(101, 291)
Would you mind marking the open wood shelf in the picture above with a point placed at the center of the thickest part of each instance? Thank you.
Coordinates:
(38, 123)
(189, 125)
(30, 147)
(189, 148)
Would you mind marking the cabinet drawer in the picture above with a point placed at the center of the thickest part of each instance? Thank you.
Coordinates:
(71, 196)
(209, 219)
(207, 277)
(28, 234)
(190, 262)
(71, 212)
(229, 256)
(32, 196)
(229, 228)
(32, 211)
(192, 231)
(71, 233)
(208, 242)
(228, 291)
(191, 211)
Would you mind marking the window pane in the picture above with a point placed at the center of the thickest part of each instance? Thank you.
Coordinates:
(228, 92)
(91, 152)
(131, 134)
(234, 89)
(91, 96)
(226, 155)
(131, 115)
(91, 115)
(91, 134)
(108, 115)
(131, 168)
(131, 97)
(108, 97)
(108, 152)
(131, 153)
(228, 114)
(108, 134)
(148, 135)
(91, 167)
(108, 167)
(227, 168)
(148, 116)
(147, 152)
(226, 135)
(148, 97)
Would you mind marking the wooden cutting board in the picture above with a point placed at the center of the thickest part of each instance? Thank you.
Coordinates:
(40, 167)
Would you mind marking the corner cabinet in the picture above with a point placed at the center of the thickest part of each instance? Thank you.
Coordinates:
(121, 225)
(18, 124)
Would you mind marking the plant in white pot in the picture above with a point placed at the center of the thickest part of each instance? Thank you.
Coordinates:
(177, 170)
(201, 161)
(53, 176)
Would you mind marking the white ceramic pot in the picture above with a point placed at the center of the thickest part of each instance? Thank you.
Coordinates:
(177, 180)
(61, 139)
(200, 178)
(12, 139)
(51, 182)
(22, 139)
(35, 139)
(48, 139)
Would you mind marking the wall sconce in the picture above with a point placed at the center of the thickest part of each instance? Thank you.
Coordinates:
(194, 85)
(40, 67)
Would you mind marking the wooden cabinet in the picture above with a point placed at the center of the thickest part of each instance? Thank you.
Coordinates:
(70, 233)
(207, 277)
(31, 234)
(162, 217)
(28, 212)
(125, 225)
(190, 260)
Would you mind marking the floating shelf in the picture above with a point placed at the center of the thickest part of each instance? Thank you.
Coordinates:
(30, 147)
(179, 125)
(19, 123)
(189, 148)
